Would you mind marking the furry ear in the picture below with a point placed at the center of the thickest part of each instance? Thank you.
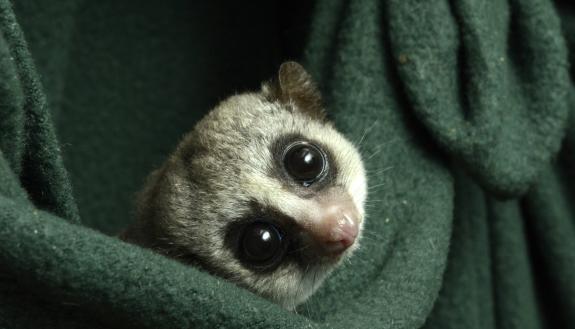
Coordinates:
(294, 87)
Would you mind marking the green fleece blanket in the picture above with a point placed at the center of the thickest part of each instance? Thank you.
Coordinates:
(463, 110)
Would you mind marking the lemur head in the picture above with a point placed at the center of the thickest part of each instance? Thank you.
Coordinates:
(263, 192)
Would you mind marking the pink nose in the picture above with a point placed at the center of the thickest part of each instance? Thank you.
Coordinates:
(342, 234)
(338, 227)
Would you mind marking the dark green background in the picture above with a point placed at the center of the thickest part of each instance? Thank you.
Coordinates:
(463, 110)
(126, 79)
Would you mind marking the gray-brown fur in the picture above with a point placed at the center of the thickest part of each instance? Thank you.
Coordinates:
(225, 171)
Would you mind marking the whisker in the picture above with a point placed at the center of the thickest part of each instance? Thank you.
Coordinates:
(379, 171)
(369, 238)
(376, 186)
(299, 286)
(300, 249)
(306, 273)
(370, 234)
(374, 153)
(380, 147)
(365, 132)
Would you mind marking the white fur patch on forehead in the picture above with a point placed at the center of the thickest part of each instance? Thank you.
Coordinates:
(269, 121)
(351, 173)
(269, 191)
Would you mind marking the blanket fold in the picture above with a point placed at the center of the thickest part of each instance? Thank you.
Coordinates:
(502, 111)
(464, 112)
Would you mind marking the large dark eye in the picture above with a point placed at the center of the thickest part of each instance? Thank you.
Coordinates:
(305, 162)
(262, 245)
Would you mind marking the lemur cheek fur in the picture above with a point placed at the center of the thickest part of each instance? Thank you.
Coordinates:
(263, 192)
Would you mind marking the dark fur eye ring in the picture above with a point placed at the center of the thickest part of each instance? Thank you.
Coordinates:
(262, 245)
(305, 162)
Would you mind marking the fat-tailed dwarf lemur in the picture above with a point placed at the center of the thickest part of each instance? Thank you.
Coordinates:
(263, 192)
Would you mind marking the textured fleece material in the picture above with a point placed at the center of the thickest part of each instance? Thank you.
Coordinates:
(464, 112)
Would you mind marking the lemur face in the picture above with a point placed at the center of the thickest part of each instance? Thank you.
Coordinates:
(263, 192)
